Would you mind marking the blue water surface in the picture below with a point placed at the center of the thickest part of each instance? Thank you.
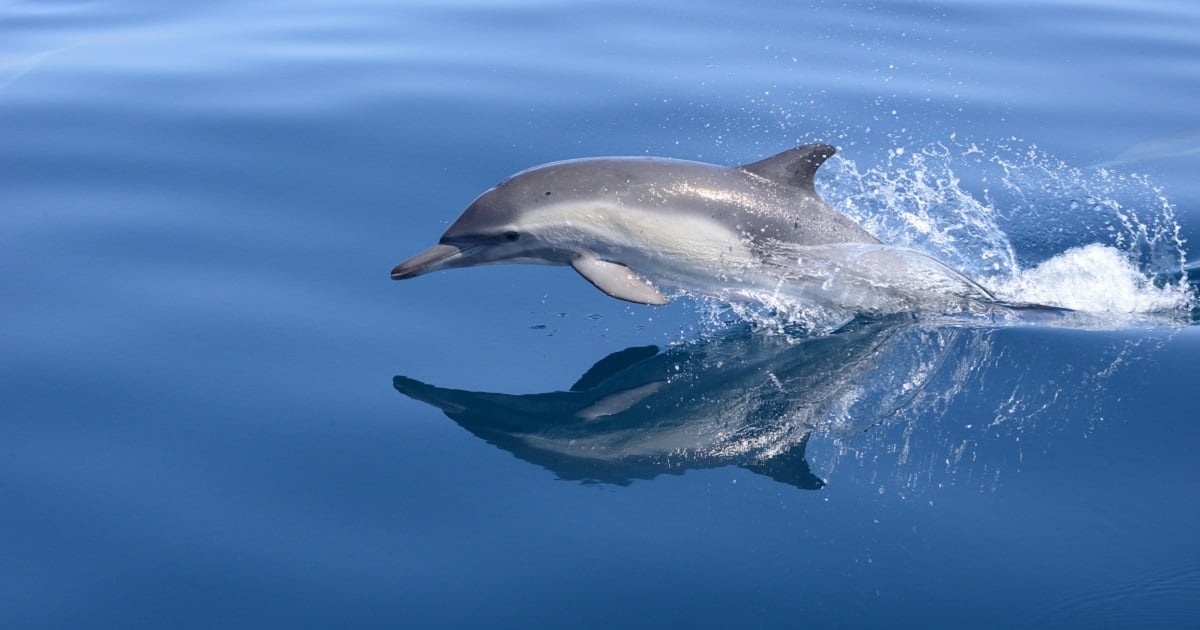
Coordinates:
(218, 411)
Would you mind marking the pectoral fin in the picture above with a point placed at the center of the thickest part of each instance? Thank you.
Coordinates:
(617, 281)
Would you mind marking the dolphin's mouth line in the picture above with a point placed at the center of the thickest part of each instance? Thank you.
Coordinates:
(429, 260)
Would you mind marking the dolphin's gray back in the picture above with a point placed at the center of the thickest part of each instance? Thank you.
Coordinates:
(759, 206)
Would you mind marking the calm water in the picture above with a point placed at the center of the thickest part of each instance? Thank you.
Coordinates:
(218, 411)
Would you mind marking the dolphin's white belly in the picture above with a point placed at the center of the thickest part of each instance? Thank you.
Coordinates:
(698, 255)
(674, 251)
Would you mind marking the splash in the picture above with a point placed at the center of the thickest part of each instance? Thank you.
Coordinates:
(1024, 225)
(1094, 279)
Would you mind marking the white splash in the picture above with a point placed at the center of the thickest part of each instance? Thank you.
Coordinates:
(1094, 278)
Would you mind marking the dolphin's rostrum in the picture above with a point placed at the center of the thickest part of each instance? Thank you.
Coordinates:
(640, 229)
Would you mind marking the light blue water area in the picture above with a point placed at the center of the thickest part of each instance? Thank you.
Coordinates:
(217, 410)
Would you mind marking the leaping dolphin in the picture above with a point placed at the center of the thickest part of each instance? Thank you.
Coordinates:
(640, 228)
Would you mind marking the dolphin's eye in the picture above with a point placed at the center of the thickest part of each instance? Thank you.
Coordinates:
(512, 235)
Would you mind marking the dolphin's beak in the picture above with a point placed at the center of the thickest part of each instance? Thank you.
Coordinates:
(429, 260)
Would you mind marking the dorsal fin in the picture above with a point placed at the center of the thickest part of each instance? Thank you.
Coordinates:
(794, 167)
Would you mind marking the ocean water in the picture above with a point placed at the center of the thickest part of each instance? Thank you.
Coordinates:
(216, 410)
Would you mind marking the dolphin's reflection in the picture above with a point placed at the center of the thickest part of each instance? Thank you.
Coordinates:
(746, 398)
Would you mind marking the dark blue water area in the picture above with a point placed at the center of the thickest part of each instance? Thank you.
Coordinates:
(218, 411)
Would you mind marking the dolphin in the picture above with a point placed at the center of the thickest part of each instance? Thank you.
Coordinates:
(640, 228)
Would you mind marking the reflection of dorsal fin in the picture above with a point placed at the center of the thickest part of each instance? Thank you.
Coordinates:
(795, 167)
(789, 467)
(612, 364)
